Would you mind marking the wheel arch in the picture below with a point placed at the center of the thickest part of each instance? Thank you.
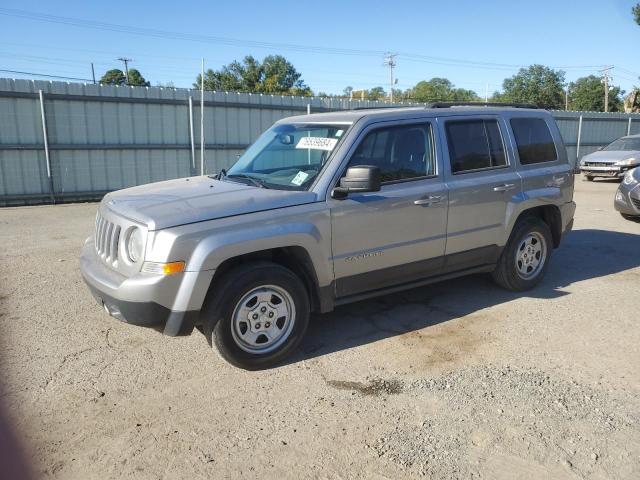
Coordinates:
(294, 257)
(550, 214)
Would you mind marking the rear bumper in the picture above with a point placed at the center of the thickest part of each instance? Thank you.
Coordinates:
(169, 304)
(567, 211)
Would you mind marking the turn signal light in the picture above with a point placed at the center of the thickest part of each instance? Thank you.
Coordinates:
(163, 268)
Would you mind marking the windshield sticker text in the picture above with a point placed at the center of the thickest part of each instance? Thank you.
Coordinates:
(317, 143)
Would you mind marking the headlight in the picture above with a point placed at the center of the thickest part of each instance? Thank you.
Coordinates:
(627, 162)
(134, 245)
(630, 178)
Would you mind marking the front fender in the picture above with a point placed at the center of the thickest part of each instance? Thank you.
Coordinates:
(205, 246)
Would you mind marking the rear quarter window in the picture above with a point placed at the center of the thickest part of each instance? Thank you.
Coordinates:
(534, 140)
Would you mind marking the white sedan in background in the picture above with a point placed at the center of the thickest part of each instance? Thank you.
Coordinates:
(614, 160)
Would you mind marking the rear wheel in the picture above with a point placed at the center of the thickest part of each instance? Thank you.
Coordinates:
(257, 316)
(588, 178)
(525, 258)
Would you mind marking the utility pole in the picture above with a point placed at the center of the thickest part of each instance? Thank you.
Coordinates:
(126, 67)
(605, 81)
(566, 99)
(93, 73)
(390, 61)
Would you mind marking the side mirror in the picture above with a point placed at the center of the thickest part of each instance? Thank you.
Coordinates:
(363, 178)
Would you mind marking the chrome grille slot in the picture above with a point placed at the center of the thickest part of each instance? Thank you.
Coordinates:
(636, 203)
(106, 239)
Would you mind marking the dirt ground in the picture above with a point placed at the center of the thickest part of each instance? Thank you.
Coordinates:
(455, 380)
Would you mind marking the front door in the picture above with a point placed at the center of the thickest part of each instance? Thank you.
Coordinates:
(396, 235)
(482, 182)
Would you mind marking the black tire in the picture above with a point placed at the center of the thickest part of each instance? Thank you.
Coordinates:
(588, 178)
(220, 305)
(506, 273)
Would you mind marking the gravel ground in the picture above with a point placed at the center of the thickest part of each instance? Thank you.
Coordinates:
(455, 380)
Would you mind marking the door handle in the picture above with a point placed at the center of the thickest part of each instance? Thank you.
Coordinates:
(505, 187)
(430, 200)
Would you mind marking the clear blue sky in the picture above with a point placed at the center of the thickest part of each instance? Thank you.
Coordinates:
(574, 36)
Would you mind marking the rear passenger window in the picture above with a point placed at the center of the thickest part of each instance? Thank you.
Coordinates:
(475, 145)
(534, 141)
(401, 153)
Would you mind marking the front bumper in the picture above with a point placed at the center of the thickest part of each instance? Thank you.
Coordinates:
(605, 170)
(169, 304)
(627, 199)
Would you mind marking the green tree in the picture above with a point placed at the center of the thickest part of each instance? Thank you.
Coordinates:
(635, 11)
(136, 79)
(116, 76)
(376, 93)
(273, 75)
(440, 89)
(536, 84)
(587, 94)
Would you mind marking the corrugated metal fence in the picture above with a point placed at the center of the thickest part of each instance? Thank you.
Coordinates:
(66, 141)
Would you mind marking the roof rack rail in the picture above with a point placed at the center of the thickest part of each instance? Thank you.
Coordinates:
(388, 106)
(480, 104)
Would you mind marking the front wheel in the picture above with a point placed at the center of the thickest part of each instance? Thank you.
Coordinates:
(525, 258)
(588, 178)
(257, 316)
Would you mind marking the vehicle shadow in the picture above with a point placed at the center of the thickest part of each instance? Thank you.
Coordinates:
(583, 255)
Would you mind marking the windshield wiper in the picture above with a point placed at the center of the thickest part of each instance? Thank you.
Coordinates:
(255, 181)
(219, 176)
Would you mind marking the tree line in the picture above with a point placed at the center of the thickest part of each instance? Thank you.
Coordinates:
(536, 84)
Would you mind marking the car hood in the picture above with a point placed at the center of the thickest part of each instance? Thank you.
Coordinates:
(611, 156)
(196, 199)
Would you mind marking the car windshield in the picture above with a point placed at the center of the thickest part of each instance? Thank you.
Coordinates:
(624, 144)
(288, 156)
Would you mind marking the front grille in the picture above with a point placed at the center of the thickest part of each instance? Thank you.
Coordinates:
(598, 164)
(636, 203)
(106, 239)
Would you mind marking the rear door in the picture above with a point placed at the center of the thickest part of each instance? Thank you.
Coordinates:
(544, 167)
(396, 235)
(482, 180)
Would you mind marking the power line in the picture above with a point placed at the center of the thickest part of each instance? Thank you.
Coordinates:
(33, 74)
(257, 44)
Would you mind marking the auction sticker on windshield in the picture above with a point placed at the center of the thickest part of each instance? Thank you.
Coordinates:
(317, 143)
(300, 178)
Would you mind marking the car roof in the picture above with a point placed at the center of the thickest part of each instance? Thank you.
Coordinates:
(392, 113)
(637, 135)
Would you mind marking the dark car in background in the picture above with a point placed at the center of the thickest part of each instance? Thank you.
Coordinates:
(614, 160)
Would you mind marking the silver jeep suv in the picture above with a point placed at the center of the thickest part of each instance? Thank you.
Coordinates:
(332, 208)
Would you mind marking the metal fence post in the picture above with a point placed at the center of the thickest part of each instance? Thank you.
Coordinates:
(579, 138)
(46, 146)
(191, 137)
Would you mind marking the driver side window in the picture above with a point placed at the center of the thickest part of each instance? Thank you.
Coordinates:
(401, 153)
